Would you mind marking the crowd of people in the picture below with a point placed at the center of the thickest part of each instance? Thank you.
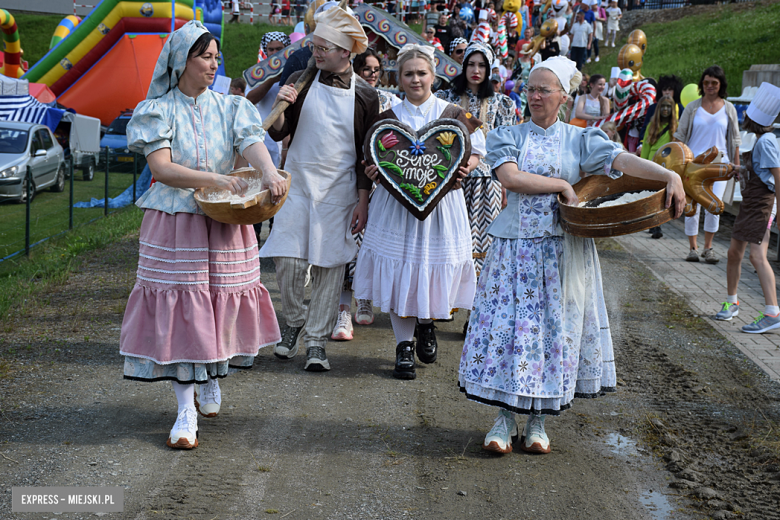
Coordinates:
(538, 332)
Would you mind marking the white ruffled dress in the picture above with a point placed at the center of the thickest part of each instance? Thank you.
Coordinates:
(411, 267)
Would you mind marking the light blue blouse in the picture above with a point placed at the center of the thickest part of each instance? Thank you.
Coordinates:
(766, 155)
(580, 150)
(203, 134)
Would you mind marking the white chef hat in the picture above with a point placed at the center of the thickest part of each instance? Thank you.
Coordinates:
(563, 68)
(765, 105)
(483, 15)
(339, 27)
(615, 73)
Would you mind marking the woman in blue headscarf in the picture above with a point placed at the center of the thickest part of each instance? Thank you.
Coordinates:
(198, 305)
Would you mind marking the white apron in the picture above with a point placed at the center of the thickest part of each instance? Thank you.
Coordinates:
(314, 223)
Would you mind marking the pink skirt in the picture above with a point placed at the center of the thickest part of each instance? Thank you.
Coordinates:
(198, 296)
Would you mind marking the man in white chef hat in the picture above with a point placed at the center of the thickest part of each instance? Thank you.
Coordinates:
(328, 200)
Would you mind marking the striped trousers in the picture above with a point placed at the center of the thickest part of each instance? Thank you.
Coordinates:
(320, 318)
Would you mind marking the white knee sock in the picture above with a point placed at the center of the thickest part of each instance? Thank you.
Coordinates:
(185, 395)
(771, 310)
(403, 328)
(732, 299)
(346, 298)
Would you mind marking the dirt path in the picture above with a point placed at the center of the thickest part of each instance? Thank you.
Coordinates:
(354, 443)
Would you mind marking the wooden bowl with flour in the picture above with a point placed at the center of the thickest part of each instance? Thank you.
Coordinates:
(596, 220)
(253, 207)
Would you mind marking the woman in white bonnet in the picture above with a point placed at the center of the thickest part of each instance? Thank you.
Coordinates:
(539, 334)
(198, 305)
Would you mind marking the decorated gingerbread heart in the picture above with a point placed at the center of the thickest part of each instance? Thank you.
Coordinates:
(418, 168)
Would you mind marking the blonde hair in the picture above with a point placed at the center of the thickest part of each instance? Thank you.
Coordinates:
(612, 127)
(411, 54)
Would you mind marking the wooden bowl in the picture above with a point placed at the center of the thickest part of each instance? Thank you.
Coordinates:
(253, 211)
(619, 220)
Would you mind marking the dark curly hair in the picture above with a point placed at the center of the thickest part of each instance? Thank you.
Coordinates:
(360, 60)
(714, 72)
(670, 82)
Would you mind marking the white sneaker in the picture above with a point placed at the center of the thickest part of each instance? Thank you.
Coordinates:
(343, 329)
(613, 44)
(499, 438)
(184, 434)
(587, 61)
(597, 59)
(365, 312)
(208, 398)
(535, 439)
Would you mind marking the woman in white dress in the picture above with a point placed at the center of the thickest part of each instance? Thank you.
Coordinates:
(418, 270)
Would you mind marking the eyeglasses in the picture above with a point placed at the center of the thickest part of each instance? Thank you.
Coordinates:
(714, 83)
(321, 49)
(368, 71)
(458, 51)
(542, 91)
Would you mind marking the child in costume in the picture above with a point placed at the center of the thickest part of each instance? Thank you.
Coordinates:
(756, 212)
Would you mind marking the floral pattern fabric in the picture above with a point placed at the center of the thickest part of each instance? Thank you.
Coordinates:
(527, 349)
(500, 111)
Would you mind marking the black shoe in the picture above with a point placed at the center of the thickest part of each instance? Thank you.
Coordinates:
(426, 342)
(287, 348)
(404, 361)
(656, 232)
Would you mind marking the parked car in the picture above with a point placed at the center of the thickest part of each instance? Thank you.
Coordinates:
(115, 139)
(33, 145)
(79, 136)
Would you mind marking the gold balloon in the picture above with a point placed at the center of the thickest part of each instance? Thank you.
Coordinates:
(638, 38)
(697, 173)
(308, 20)
(549, 28)
(630, 57)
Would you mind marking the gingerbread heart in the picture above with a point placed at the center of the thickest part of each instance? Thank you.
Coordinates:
(418, 168)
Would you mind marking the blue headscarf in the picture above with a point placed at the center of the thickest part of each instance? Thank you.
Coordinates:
(173, 58)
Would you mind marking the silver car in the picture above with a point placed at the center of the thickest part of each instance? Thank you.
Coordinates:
(28, 144)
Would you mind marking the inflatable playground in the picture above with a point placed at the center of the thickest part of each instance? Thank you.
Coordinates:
(102, 65)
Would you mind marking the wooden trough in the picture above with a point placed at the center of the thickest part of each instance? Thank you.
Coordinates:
(613, 221)
(253, 211)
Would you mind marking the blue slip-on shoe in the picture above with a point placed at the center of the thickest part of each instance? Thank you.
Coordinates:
(762, 324)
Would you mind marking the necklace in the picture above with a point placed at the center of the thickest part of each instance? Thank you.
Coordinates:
(424, 112)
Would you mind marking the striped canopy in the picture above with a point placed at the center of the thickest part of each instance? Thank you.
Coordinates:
(27, 109)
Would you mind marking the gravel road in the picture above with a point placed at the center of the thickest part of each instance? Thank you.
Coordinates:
(693, 431)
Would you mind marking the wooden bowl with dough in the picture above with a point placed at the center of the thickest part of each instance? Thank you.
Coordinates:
(613, 221)
(247, 210)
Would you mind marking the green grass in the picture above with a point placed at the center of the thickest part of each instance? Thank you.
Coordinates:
(22, 278)
(735, 40)
(35, 32)
(240, 43)
(49, 211)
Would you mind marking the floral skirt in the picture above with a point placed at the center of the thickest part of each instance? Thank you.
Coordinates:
(526, 351)
(198, 305)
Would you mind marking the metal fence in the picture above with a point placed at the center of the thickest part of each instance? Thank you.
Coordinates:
(629, 5)
(45, 214)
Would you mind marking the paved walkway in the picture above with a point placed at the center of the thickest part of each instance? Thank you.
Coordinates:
(704, 287)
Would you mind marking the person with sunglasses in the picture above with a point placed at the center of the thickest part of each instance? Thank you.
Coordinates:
(472, 90)
(539, 335)
(328, 203)
(430, 37)
(458, 49)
